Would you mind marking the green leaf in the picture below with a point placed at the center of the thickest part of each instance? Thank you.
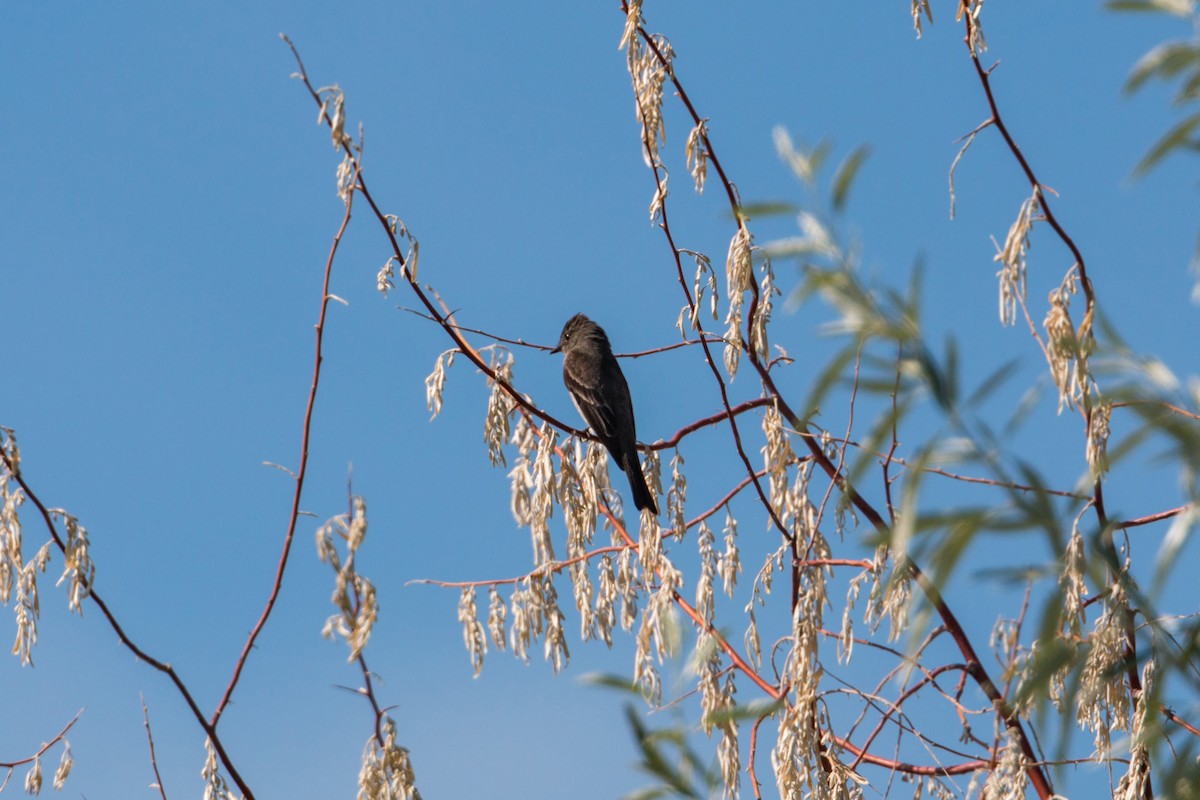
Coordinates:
(1052, 655)
(610, 681)
(846, 172)
(767, 209)
(1018, 574)
(950, 548)
(1189, 91)
(993, 382)
(1163, 62)
(755, 711)
(1176, 138)
(1180, 8)
(942, 383)
(817, 156)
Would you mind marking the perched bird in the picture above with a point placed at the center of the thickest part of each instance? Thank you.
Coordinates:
(601, 395)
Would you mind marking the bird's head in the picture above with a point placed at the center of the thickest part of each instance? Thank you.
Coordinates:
(577, 329)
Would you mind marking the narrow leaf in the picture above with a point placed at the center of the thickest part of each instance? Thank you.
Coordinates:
(843, 179)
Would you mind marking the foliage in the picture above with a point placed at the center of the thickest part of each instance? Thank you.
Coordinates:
(881, 471)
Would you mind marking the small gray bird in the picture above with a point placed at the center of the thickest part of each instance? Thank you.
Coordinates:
(601, 395)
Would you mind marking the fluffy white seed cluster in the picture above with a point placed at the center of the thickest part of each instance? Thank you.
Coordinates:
(1071, 580)
(215, 787)
(496, 424)
(677, 497)
(661, 193)
(846, 637)
(385, 280)
(1012, 257)
(353, 594)
(1097, 439)
(79, 572)
(649, 74)
(1102, 700)
(435, 384)
(581, 490)
(973, 9)
(659, 635)
(778, 456)
(716, 704)
(729, 565)
(65, 762)
(387, 771)
(473, 635)
(18, 578)
(19, 584)
(1066, 350)
(696, 151)
(806, 765)
(1008, 779)
(920, 7)
(536, 615)
(333, 106)
(890, 597)
(1135, 781)
(759, 343)
(705, 282)
(497, 614)
(739, 277)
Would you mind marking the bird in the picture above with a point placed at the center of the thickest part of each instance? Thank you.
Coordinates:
(600, 394)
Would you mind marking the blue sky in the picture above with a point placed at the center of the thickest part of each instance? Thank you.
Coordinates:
(167, 205)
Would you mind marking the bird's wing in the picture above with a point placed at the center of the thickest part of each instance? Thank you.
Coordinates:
(602, 398)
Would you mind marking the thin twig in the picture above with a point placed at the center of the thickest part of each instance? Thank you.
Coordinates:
(158, 781)
(129, 644)
(758, 402)
(1158, 517)
(301, 471)
(11, 765)
(547, 348)
(1187, 726)
(676, 251)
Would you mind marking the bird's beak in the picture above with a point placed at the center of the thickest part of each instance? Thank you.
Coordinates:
(557, 349)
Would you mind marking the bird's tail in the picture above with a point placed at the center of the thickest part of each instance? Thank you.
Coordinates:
(642, 498)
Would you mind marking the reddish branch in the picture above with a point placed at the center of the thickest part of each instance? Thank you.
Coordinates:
(890, 457)
(141, 654)
(547, 348)
(894, 706)
(398, 253)
(1170, 407)
(741, 664)
(368, 691)
(754, 784)
(728, 413)
(11, 765)
(778, 693)
(975, 668)
(985, 79)
(158, 781)
(300, 473)
(725, 500)
(1171, 715)
(973, 664)
(949, 619)
(1134, 679)
(553, 567)
(1161, 515)
(210, 725)
(558, 566)
(664, 225)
